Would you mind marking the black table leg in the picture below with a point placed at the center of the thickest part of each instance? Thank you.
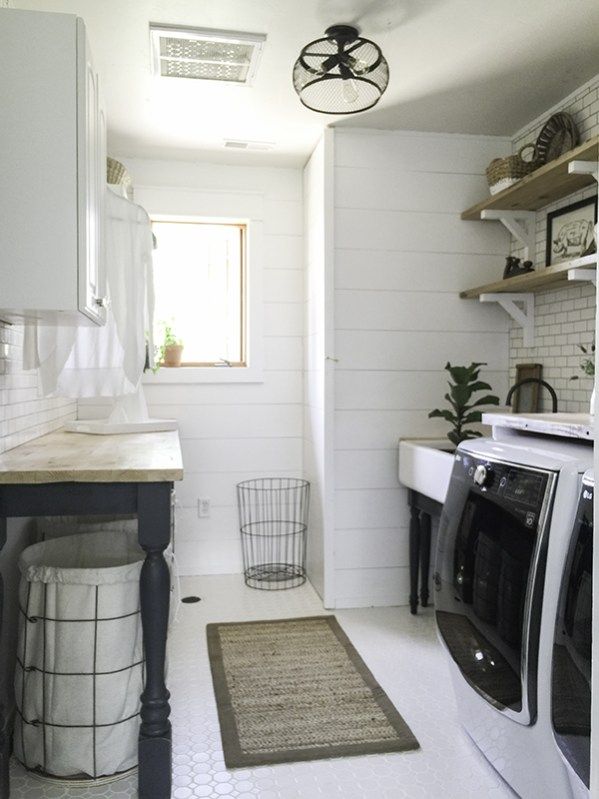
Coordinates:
(155, 757)
(4, 731)
(414, 556)
(425, 556)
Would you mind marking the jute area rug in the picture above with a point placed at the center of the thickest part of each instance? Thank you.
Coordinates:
(296, 689)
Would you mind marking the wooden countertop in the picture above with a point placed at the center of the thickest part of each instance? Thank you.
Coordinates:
(63, 457)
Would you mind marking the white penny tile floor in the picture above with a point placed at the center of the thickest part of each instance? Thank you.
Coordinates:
(401, 650)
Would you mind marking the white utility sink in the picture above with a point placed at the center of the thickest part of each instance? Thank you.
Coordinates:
(425, 465)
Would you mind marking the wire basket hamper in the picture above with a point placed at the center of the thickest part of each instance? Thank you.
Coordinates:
(80, 665)
(273, 518)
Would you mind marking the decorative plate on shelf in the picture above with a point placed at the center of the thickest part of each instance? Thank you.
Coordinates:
(558, 135)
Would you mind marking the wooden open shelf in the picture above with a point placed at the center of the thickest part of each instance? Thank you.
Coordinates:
(543, 186)
(542, 277)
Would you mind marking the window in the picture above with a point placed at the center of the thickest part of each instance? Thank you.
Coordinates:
(200, 287)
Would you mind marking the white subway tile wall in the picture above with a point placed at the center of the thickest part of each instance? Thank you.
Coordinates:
(564, 317)
(24, 413)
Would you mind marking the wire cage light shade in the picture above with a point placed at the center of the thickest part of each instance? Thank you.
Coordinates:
(341, 73)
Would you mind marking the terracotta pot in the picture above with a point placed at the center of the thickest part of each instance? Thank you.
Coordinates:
(172, 355)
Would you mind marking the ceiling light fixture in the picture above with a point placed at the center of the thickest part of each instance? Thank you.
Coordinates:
(341, 73)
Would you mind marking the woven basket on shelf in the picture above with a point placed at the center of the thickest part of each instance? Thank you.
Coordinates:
(117, 175)
(504, 172)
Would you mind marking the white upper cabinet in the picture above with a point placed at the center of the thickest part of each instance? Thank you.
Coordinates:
(52, 171)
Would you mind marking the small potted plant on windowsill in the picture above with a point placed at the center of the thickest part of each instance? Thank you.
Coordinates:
(171, 349)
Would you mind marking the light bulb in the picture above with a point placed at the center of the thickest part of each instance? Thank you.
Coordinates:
(359, 67)
(350, 91)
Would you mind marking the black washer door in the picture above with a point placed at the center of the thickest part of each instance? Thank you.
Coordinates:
(490, 564)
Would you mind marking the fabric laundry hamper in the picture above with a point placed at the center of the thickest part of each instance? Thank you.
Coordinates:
(80, 669)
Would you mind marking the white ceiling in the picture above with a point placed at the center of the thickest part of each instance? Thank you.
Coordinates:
(468, 66)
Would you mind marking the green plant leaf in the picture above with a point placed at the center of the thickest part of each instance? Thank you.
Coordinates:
(588, 367)
(475, 416)
(443, 414)
(463, 374)
(461, 395)
(454, 437)
(459, 374)
(489, 399)
(480, 386)
(471, 434)
(451, 402)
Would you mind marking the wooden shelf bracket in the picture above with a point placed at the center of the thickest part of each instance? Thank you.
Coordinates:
(521, 224)
(524, 316)
(584, 168)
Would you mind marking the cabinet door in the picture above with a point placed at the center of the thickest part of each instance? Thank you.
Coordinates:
(100, 274)
(91, 168)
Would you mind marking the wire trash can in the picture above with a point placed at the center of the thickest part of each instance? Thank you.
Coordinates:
(273, 518)
(80, 663)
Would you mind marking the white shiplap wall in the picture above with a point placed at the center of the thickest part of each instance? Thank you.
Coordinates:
(402, 254)
(232, 432)
(318, 372)
(564, 317)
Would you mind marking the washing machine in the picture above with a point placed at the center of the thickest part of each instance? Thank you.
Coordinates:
(571, 666)
(502, 543)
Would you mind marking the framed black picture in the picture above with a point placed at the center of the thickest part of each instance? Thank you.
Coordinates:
(571, 232)
(526, 398)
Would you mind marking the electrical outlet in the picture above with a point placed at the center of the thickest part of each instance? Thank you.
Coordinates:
(204, 507)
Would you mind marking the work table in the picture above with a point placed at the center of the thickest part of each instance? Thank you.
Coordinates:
(74, 457)
(73, 474)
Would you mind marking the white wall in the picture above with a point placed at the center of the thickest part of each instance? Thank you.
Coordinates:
(232, 432)
(402, 254)
(318, 372)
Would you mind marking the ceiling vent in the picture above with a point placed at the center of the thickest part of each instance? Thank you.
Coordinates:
(242, 144)
(202, 54)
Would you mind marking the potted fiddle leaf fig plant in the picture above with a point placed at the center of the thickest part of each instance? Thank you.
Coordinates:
(171, 349)
(463, 405)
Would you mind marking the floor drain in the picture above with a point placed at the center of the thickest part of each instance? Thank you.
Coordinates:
(191, 600)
